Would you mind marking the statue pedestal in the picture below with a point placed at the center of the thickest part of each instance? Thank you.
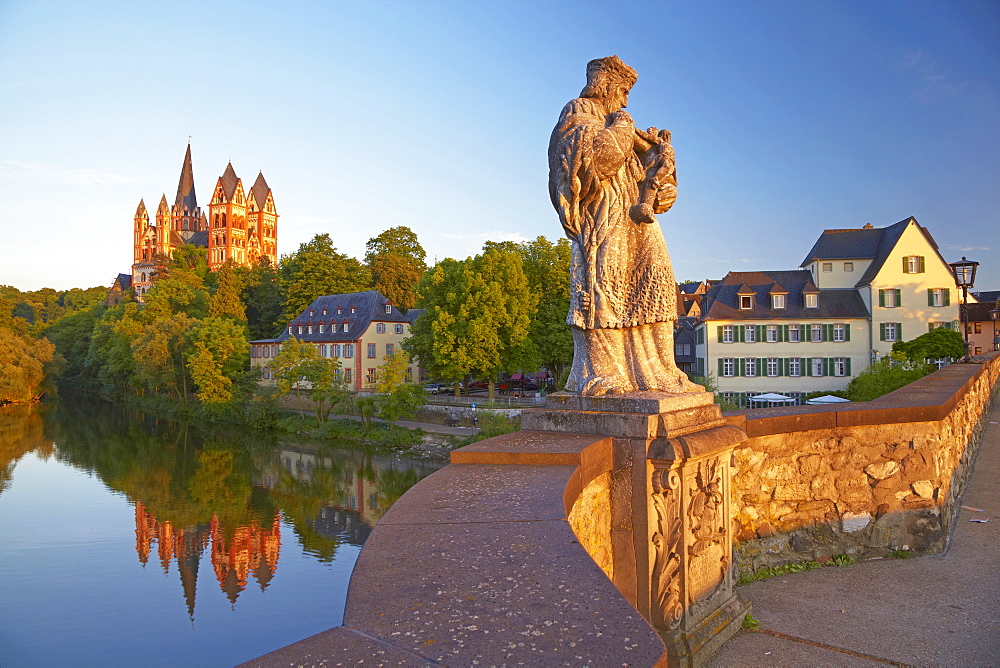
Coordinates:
(667, 539)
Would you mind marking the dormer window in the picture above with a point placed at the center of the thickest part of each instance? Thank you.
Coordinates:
(324, 311)
(347, 327)
(310, 329)
(353, 309)
(812, 300)
(746, 302)
(311, 313)
(388, 308)
(289, 329)
(300, 329)
(322, 328)
(777, 301)
(333, 327)
(339, 310)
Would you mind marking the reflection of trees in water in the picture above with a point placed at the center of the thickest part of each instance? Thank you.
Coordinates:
(21, 432)
(225, 490)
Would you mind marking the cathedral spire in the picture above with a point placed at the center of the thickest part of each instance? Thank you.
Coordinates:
(186, 199)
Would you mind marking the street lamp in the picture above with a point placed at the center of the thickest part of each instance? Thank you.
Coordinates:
(994, 316)
(965, 278)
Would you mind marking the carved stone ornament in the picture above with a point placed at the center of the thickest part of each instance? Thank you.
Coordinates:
(667, 606)
(607, 179)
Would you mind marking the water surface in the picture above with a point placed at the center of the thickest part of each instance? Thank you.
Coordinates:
(126, 540)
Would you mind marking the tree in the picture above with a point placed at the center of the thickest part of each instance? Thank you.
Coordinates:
(546, 266)
(262, 296)
(25, 364)
(109, 358)
(218, 353)
(395, 259)
(317, 269)
(884, 376)
(182, 290)
(477, 318)
(396, 398)
(226, 300)
(299, 364)
(934, 345)
(159, 354)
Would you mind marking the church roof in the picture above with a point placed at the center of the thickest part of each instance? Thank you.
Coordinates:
(186, 198)
(229, 181)
(260, 190)
(141, 209)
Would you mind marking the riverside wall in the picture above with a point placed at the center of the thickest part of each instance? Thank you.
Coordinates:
(864, 479)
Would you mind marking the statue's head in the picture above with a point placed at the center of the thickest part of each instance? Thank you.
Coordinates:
(609, 80)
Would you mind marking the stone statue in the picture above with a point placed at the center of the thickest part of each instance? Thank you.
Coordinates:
(607, 179)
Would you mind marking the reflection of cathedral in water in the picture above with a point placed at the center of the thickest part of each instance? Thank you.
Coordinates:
(235, 554)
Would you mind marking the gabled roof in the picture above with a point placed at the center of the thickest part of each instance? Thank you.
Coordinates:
(229, 181)
(368, 306)
(988, 296)
(186, 198)
(140, 211)
(122, 281)
(867, 243)
(722, 301)
(260, 190)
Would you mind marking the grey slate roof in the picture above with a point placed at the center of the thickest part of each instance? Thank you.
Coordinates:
(229, 181)
(368, 306)
(874, 243)
(186, 198)
(988, 295)
(722, 301)
(124, 281)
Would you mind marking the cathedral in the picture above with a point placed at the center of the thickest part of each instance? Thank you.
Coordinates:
(241, 225)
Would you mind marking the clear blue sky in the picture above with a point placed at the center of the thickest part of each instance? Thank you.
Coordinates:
(787, 117)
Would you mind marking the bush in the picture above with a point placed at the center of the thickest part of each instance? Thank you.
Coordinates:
(885, 376)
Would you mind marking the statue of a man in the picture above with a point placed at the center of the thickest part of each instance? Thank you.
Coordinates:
(607, 179)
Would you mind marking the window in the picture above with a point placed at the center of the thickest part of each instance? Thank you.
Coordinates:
(371, 350)
(816, 333)
(817, 366)
(750, 364)
(889, 298)
(324, 311)
(348, 375)
(300, 329)
(937, 325)
(398, 329)
(727, 333)
(353, 309)
(348, 350)
(337, 350)
(390, 349)
(388, 308)
(370, 377)
(267, 373)
(839, 366)
(333, 327)
(289, 329)
(827, 266)
(772, 333)
(322, 328)
(311, 313)
(310, 328)
(681, 349)
(339, 310)
(812, 300)
(890, 331)
(749, 333)
(409, 374)
(777, 301)
(913, 264)
(380, 328)
(794, 335)
(938, 297)
(848, 266)
(838, 332)
(347, 327)
(728, 366)
(794, 366)
(746, 302)
(267, 351)
(772, 366)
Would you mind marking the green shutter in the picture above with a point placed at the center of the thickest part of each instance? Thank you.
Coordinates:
(947, 296)
(761, 333)
(881, 331)
(899, 297)
(923, 267)
(783, 365)
(783, 333)
(743, 367)
(899, 331)
(847, 331)
(881, 298)
(762, 366)
(827, 366)
(930, 296)
(828, 332)
(906, 265)
(721, 367)
(848, 366)
(930, 327)
(739, 333)
(720, 333)
(808, 361)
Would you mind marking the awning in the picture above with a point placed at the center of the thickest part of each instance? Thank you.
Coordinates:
(771, 396)
(827, 399)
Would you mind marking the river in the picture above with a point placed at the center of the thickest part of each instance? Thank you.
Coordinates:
(127, 540)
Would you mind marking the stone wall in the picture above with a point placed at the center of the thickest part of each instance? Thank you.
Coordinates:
(863, 479)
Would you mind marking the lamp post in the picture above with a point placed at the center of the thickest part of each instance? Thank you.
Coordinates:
(965, 278)
(994, 316)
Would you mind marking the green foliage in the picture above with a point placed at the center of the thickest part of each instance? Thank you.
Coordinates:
(317, 269)
(181, 290)
(768, 572)
(226, 301)
(546, 267)
(218, 353)
(25, 362)
(396, 399)
(884, 376)
(936, 344)
(899, 554)
(843, 560)
(262, 296)
(490, 424)
(159, 354)
(299, 365)
(395, 259)
(71, 336)
(751, 623)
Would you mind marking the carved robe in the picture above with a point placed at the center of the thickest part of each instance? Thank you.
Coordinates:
(620, 274)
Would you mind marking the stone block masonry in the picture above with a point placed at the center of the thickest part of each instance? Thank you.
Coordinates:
(863, 479)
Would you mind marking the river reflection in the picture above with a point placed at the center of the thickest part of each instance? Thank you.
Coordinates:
(217, 511)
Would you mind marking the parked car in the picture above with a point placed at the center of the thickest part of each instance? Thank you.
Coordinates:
(436, 388)
(479, 385)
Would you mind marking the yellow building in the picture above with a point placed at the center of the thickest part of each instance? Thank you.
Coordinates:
(857, 292)
(359, 329)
